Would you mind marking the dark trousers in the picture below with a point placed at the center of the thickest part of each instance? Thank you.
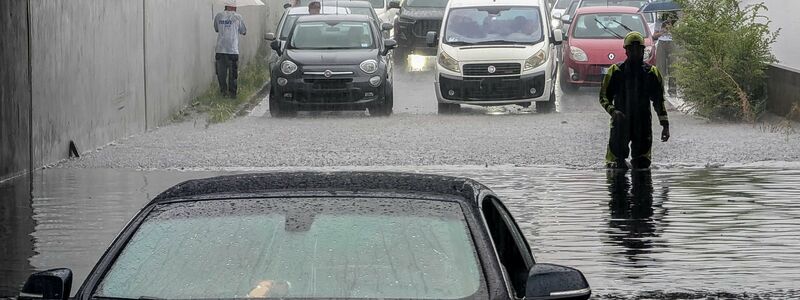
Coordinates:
(630, 138)
(227, 73)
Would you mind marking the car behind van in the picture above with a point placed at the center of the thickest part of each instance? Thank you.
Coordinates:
(496, 52)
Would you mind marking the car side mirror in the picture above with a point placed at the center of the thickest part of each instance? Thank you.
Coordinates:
(432, 38)
(387, 26)
(558, 37)
(287, 5)
(394, 4)
(269, 36)
(566, 19)
(50, 284)
(276, 45)
(551, 282)
(388, 44)
(557, 15)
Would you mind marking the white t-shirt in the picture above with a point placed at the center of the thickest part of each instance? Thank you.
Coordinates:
(229, 25)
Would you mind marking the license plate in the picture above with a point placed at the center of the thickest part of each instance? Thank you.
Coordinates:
(603, 71)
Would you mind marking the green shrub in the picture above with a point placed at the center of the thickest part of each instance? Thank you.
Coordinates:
(725, 49)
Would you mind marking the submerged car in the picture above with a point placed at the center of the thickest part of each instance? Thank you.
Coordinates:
(595, 42)
(496, 53)
(308, 235)
(332, 62)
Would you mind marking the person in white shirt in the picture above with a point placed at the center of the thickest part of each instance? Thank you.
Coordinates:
(229, 25)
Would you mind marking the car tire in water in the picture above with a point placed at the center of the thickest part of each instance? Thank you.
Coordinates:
(548, 106)
(386, 108)
(566, 86)
(448, 108)
(278, 110)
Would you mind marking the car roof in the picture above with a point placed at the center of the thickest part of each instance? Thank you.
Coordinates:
(469, 3)
(324, 18)
(385, 184)
(303, 10)
(606, 9)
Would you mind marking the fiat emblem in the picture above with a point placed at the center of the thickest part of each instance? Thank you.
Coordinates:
(492, 69)
(611, 56)
(327, 73)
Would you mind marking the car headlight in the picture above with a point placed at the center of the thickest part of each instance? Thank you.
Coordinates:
(648, 52)
(288, 67)
(536, 60)
(369, 66)
(577, 54)
(448, 62)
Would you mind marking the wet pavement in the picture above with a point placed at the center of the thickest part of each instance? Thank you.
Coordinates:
(687, 233)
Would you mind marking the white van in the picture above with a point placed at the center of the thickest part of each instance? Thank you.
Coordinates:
(496, 52)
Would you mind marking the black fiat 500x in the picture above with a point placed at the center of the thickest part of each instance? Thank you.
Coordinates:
(332, 62)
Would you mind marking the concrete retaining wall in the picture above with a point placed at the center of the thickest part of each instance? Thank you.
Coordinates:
(784, 91)
(105, 69)
(14, 90)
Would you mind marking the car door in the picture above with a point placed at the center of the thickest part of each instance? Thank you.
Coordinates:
(510, 245)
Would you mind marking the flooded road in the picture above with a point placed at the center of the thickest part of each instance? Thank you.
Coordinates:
(672, 234)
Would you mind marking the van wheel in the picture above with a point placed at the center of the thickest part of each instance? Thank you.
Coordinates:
(448, 108)
(548, 106)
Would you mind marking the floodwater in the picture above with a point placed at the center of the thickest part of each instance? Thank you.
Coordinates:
(721, 233)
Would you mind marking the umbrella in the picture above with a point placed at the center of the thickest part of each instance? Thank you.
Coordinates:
(241, 3)
(661, 6)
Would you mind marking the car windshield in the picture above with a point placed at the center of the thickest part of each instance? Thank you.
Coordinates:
(374, 3)
(426, 3)
(607, 26)
(311, 248)
(364, 11)
(303, 11)
(332, 35)
(493, 25)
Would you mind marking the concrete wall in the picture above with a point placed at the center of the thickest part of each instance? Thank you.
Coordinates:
(784, 91)
(88, 75)
(784, 15)
(14, 90)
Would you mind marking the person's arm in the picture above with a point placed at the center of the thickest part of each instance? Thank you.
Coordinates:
(607, 91)
(658, 102)
(216, 27)
(242, 27)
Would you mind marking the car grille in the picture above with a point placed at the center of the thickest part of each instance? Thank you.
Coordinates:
(492, 88)
(329, 84)
(483, 69)
(421, 27)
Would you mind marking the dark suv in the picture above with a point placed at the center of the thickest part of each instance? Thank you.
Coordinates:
(332, 62)
(413, 21)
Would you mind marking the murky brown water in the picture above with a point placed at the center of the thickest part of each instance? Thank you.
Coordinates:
(678, 234)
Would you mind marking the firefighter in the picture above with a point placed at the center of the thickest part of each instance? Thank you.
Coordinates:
(626, 94)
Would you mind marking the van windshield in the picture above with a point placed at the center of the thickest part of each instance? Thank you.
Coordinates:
(493, 25)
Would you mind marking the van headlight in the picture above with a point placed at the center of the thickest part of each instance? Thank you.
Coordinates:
(288, 67)
(536, 60)
(448, 62)
(648, 52)
(369, 66)
(577, 54)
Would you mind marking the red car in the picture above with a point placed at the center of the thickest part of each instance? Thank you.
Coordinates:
(594, 43)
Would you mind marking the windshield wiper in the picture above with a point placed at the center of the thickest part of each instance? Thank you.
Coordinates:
(623, 25)
(496, 42)
(608, 29)
(459, 43)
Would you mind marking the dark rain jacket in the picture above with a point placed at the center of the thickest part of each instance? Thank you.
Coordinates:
(631, 90)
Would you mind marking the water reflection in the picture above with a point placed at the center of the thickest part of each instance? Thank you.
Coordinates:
(633, 224)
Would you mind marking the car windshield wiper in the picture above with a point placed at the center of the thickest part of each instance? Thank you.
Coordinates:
(496, 42)
(608, 29)
(459, 43)
(623, 25)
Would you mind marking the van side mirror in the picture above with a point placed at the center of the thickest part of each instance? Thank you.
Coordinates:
(387, 26)
(269, 36)
(566, 19)
(50, 284)
(394, 4)
(276, 45)
(388, 44)
(551, 282)
(432, 38)
(558, 37)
